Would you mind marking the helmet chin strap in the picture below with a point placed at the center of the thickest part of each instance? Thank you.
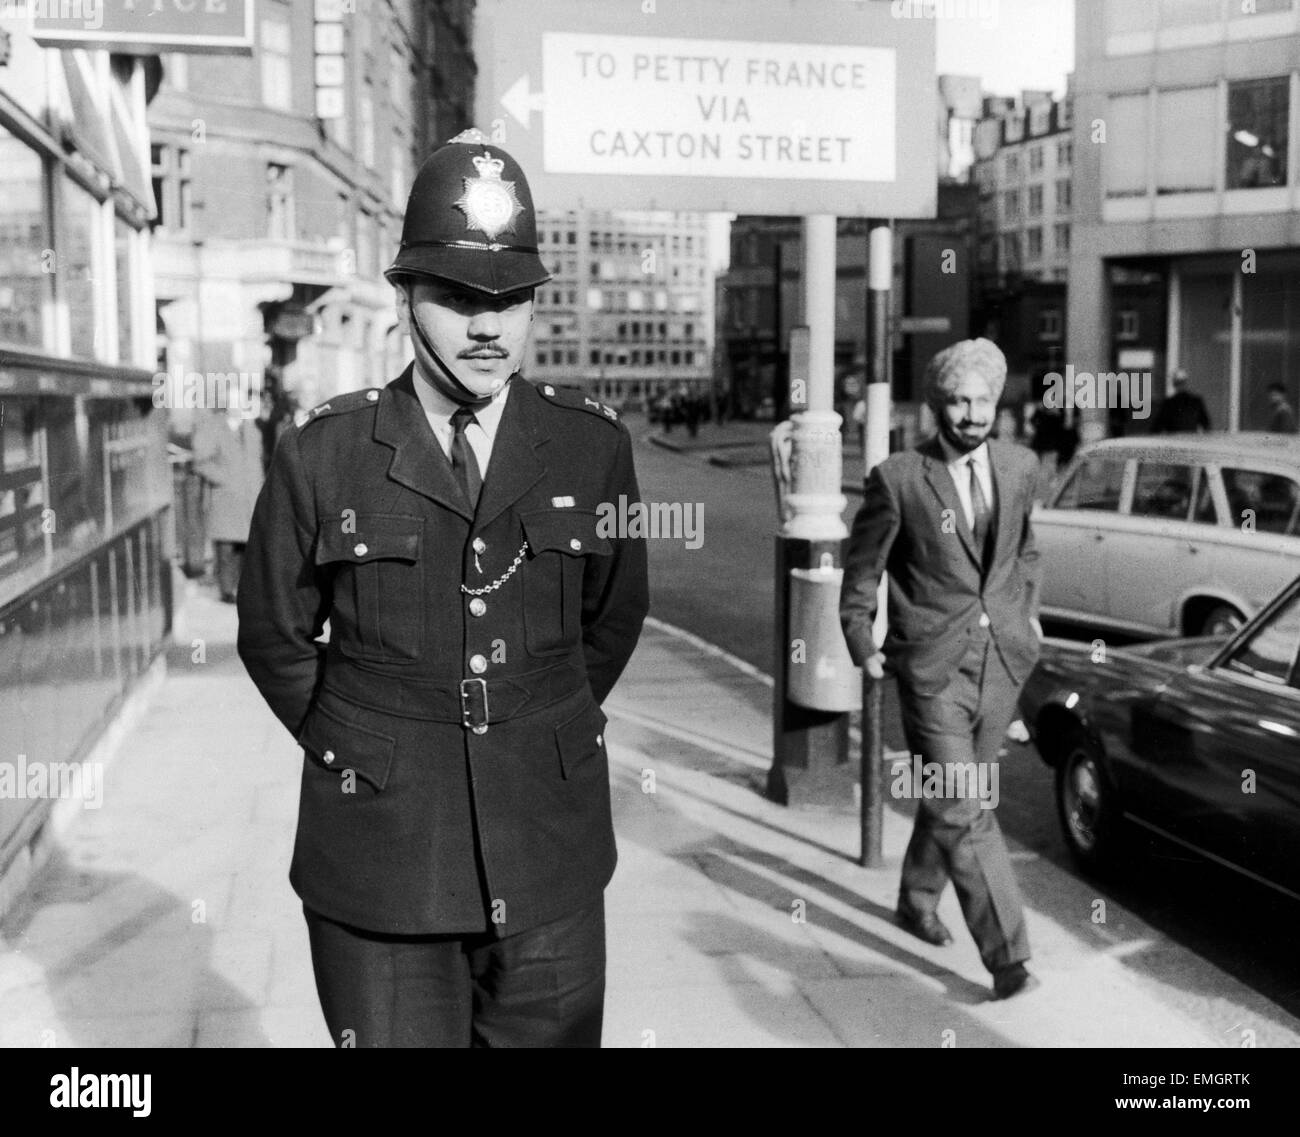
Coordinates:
(431, 363)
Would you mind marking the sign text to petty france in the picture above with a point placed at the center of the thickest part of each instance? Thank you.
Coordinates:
(717, 108)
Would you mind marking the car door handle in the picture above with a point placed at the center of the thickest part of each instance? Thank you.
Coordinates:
(1193, 548)
(1099, 536)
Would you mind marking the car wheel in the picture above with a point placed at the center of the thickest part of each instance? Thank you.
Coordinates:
(1221, 620)
(1085, 803)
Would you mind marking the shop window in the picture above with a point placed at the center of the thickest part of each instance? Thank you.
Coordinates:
(24, 286)
(279, 202)
(1177, 13)
(124, 242)
(1258, 132)
(76, 275)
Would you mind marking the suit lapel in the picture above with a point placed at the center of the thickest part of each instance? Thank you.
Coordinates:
(418, 461)
(515, 466)
(936, 473)
(1005, 490)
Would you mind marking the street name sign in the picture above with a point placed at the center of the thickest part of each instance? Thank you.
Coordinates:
(747, 106)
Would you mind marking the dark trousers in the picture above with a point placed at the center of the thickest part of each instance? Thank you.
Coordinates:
(956, 838)
(230, 558)
(544, 987)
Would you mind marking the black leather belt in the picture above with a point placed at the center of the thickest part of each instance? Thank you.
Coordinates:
(474, 703)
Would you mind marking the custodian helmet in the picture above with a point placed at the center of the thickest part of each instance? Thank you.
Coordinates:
(470, 220)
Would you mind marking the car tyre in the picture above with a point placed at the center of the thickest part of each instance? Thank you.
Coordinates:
(1221, 620)
(1086, 805)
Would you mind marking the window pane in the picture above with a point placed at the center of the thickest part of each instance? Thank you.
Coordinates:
(1175, 13)
(76, 266)
(1125, 153)
(123, 242)
(1162, 490)
(1097, 485)
(1270, 501)
(1126, 16)
(1270, 652)
(1204, 510)
(23, 239)
(1257, 133)
(1185, 151)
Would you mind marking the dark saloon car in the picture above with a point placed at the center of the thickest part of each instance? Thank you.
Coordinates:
(1196, 739)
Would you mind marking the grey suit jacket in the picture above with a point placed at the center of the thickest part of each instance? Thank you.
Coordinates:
(911, 525)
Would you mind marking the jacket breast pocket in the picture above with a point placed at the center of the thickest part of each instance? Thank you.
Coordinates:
(378, 611)
(559, 543)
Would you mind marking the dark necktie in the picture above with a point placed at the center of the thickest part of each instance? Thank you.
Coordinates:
(463, 461)
(979, 508)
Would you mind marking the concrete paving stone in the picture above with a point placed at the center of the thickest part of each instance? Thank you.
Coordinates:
(162, 1029)
(275, 1027)
(238, 970)
(723, 1015)
(895, 1011)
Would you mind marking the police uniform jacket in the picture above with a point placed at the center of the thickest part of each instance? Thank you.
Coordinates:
(455, 775)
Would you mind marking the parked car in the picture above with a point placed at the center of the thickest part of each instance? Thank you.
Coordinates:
(1171, 534)
(1196, 739)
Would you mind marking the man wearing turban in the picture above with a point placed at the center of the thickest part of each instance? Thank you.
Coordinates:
(949, 522)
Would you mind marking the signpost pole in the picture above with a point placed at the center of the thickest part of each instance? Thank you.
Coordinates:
(810, 748)
(880, 275)
(876, 450)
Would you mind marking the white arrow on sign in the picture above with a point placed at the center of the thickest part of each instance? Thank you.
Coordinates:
(521, 102)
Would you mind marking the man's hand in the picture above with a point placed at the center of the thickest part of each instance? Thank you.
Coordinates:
(875, 665)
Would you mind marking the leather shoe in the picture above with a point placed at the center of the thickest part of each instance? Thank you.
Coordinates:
(924, 925)
(1013, 980)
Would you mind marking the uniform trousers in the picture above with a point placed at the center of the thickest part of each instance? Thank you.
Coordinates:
(957, 838)
(544, 987)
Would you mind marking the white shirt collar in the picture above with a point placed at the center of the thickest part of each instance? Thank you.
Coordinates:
(438, 409)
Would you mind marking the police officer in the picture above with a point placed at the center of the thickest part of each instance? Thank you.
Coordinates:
(454, 835)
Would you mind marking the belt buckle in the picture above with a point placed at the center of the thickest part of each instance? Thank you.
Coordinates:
(474, 705)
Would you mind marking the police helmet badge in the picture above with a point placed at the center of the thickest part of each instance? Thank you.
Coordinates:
(489, 202)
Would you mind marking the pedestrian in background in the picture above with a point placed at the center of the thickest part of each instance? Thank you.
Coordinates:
(454, 828)
(1183, 412)
(1283, 418)
(949, 522)
(228, 457)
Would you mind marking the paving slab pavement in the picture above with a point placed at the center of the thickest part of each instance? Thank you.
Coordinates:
(165, 917)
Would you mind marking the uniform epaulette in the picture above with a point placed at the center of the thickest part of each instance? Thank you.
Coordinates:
(576, 399)
(341, 404)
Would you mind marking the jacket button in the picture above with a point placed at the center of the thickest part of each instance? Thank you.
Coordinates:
(600, 740)
(548, 389)
(371, 396)
(361, 550)
(328, 757)
(984, 620)
(480, 545)
(477, 664)
(477, 607)
(575, 544)
(479, 729)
